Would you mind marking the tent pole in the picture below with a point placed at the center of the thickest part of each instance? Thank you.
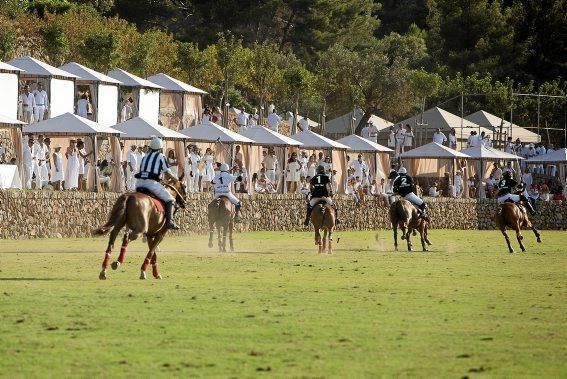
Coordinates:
(95, 163)
(284, 167)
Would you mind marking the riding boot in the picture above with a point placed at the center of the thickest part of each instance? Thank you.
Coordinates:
(337, 221)
(527, 204)
(237, 212)
(308, 216)
(169, 216)
(423, 210)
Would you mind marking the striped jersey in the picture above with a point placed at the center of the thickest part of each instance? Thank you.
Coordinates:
(152, 166)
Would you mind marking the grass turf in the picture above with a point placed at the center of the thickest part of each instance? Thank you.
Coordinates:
(276, 308)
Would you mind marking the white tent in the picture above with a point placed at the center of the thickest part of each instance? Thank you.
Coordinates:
(341, 126)
(433, 150)
(9, 83)
(493, 123)
(557, 157)
(58, 84)
(145, 95)
(376, 156)
(180, 104)
(138, 128)
(266, 137)
(440, 118)
(14, 127)
(357, 143)
(103, 92)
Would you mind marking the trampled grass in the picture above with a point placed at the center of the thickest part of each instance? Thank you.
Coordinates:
(275, 308)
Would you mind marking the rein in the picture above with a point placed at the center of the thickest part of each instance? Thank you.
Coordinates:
(175, 190)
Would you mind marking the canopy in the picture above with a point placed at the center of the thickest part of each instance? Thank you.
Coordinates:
(7, 121)
(208, 131)
(266, 137)
(316, 141)
(357, 143)
(69, 124)
(483, 152)
(557, 156)
(34, 67)
(5, 67)
(138, 128)
(493, 122)
(130, 80)
(171, 84)
(433, 150)
(86, 74)
(341, 125)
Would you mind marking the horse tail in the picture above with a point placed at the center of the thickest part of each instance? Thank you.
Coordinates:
(117, 213)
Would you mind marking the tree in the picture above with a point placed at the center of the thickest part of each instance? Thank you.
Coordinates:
(153, 51)
(100, 49)
(55, 42)
(8, 40)
(299, 84)
(232, 59)
(264, 71)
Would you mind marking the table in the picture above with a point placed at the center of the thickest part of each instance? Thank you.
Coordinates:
(9, 177)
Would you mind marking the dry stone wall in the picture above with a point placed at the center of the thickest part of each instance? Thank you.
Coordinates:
(38, 214)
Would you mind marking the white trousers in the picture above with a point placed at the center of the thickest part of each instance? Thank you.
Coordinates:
(509, 196)
(27, 114)
(37, 172)
(315, 200)
(412, 198)
(28, 173)
(44, 173)
(271, 175)
(156, 188)
(233, 199)
(38, 113)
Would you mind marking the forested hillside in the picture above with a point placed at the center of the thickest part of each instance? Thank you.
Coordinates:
(328, 56)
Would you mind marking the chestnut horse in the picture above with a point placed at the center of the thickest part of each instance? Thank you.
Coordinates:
(404, 215)
(514, 216)
(323, 218)
(221, 213)
(140, 214)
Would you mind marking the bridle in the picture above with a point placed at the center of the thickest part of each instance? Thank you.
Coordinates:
(180, 200)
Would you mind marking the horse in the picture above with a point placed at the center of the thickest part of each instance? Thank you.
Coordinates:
(221, 212)
(514, 216)
(323, 218)
(141, 214)
(404, 215)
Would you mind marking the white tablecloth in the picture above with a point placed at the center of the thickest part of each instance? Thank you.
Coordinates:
(9, 177)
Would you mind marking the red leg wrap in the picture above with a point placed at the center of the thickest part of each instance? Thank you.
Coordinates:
(122, 253)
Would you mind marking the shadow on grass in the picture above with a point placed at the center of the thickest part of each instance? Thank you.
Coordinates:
(33, 279)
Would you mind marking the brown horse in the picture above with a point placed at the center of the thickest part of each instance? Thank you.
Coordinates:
(514, 216)
(141, 215)
(221, 212)
(323, 218)
(404, 215)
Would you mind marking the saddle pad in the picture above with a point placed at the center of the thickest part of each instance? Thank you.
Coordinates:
(158, 204)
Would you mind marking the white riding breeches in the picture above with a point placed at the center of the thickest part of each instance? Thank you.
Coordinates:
(413, 198)
(233, 199)
(156, 188)
(315, 200)
(509, 196)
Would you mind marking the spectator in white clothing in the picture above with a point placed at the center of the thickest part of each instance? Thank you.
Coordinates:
(439, 137)
(453, 139)
(433, 192)
(274, 121)
(293, 173)
(242, 121)
(408, 138)
(41, 103)
(82, 108)
(27, 102)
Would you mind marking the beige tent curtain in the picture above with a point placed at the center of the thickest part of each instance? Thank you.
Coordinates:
(170, 109)
(180, 155)
(254, 164)
(192, 109)
(432, 167)
(117, 178)
(338, 159)
(93, 101)
(89, 148)
(16, 134)
(222, 151)
(383, 164)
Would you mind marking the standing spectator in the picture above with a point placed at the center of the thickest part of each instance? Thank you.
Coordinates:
(497, 172)
(38, 161)
(209, 172)
(400, 135)
(540, 150)
(195, 172)
(391, 138)
(206, 114)
(42, 161)
(486, 140)
(82, 156)
(303, 160)
(509, 168)
(72, 172)
(28, 159)
(127, 111)
(472, 187)
(509, 146)
(439, 137)
(359, 166)
(527, 177)
(304, 124)
(270, 164)
(172, 162)
(458, 185)
(293, 173)
(453, 139)
(491, 186)
(252, 122)
(242, 121)
(274, 121)
(41, 103)
(470, 139)
(57, 168)
(139, 155)
(327, 165)
(408, 138)
(372, 132)
(131, 168)
(27, 101)
(304, 186)
(82, 107)
(552, 168)
(216, 116)
(238, 156)
(364, 131)
(312, 166)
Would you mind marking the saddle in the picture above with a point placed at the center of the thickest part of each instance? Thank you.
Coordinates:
(159, 205)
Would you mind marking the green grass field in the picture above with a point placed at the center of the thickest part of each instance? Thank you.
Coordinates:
(274, 308)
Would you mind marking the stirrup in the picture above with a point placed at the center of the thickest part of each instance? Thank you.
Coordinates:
(173, 226)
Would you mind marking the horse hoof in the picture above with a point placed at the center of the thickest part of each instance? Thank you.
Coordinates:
(143, 276)
(115, 265)
(210, 245)
(158, 277)
(414, 233)
(403, 237)
(425, 249)
(512, 251)
(539, 240)
(102, 275)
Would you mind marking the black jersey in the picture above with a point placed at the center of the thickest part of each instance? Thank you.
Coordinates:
(505, 186)
(319, 183)
(403, 184)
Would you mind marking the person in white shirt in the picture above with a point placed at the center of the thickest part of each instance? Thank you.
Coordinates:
(485, 140)
(82, 108)
(42, 161)
(372, 132)
(242, 121)
(38, 162)
(270, 164)
(57, 168)
(72, 172)
(509, 168)
(238, 157)
(293, 173)
(303, 160)
(509, 146)
(491, 186)
(304, 186)
(131, 168)
(527, 177)
(195, 172)
(408, 138)
(364, 132)
(359, 166)
(27, 102)
(41, 103)
(439, 137)
(327, 165)
(304, 124)
(274, 121)
(433, 192)
(222, 186)
(391, 138)
(458, 186)
(127, 111)
(28, 159)
(252, 122)
(552, 168)
(453, 139)
(540, 150)
(400, 135)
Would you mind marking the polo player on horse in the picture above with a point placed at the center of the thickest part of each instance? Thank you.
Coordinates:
(222, 187)
(320, 190)
(152, 167)
(403, 186)
(505, 187)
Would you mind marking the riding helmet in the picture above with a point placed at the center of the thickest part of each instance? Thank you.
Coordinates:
(156, 143)
(224, 167)
(320, 169)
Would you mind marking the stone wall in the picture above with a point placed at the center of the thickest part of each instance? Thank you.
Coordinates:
(36, 214)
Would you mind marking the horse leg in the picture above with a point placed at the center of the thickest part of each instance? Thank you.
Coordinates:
(230, 229)
(211, 233)
(123, 249)
(219, 237)
(224, 232)
(395, 227)
(153, 260)
(503, 230)
(519, 236)
(109, 248)
(148, 258)
(403, 228)
(330, 241)
(324, 241)
(426, 234)
(536, 232)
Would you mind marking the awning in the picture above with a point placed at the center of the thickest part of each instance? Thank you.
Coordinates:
(208, 131)
(69, 124)
(357, 143)
(139, 129)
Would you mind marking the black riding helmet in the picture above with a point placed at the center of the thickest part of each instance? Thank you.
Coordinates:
(393, 174)
(507, 175)
(320, 169)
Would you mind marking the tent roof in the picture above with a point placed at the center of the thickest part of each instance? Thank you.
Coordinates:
(317, 141)
(483, 152)
(493, 122)
(440, 118)
(5, 67)
(433, 150)
(341, 124)
(357, 143)
(265, 136)
(35, 67)
(130, 80)
(138, 128)
(172, 84)
(69, 124)
(557, 156)
(208, 131)
(87, 74)
(8, 121)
